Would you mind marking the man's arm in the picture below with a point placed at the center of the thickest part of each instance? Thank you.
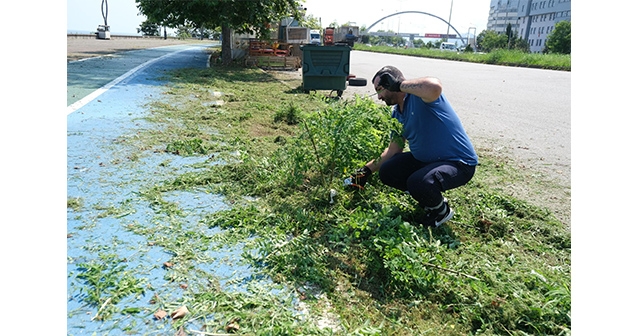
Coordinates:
(427, 88)
(393, 149)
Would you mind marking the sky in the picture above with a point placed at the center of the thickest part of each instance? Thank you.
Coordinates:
(84, 16)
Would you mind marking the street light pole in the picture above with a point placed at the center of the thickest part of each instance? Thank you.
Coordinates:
(449, 23)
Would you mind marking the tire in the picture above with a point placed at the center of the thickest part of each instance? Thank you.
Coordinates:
(357, 82)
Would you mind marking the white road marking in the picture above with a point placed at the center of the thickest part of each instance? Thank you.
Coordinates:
(93, 95)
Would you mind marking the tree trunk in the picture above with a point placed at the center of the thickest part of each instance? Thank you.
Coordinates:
(226, 45)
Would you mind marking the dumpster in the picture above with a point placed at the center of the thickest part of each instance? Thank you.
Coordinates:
(325, 67)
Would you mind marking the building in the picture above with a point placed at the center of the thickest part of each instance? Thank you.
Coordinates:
(533, 20)
(501, 13)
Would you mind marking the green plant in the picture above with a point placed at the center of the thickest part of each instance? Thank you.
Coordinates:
(107, 282)
(75, 203)
(559, 40)
(186, 147)
(290, 113)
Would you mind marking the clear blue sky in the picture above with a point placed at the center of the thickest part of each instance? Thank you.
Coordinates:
(122, 16)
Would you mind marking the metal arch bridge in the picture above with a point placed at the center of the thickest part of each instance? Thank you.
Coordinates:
(466, 41)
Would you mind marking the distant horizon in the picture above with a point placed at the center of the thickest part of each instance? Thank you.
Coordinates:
(89, 32)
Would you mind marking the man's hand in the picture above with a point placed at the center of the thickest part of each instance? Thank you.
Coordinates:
(389, 82)
(358, 179)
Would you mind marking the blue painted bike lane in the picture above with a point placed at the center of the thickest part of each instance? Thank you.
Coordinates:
(104, 180)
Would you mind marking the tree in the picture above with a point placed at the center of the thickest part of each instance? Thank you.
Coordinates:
(520, 44)
(559, 41)
(311, 22)
(489, 40)
(508, 35)
(241, 16)
(149, 28)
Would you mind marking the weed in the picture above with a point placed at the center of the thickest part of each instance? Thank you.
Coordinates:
(186, 147)
(291, 114)
(75, 203)
(107, 282)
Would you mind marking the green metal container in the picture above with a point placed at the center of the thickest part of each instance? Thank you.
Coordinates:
(325, 67)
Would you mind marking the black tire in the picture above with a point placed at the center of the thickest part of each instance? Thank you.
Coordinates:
(358, 82)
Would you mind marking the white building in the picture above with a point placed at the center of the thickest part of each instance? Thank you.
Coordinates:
(501, 13)
(533, 20)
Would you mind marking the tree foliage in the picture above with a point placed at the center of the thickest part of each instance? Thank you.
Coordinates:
(489, 40)
(559, 41)
(241, 16)
(311, 22)
(382, 40)
(148, 28)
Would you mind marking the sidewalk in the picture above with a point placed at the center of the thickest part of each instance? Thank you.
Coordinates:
(80, 48)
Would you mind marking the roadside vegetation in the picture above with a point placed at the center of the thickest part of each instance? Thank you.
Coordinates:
(497, 56)
(358, 261)
(495, 48)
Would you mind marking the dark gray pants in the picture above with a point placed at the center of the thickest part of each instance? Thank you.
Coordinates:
(425, 181)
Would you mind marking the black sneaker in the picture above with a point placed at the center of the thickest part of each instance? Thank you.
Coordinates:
(435, 219)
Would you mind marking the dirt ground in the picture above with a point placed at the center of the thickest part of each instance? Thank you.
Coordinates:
(84, 47)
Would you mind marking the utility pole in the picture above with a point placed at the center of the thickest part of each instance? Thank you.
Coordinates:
(103, 30)
(449, 23)
(105, 11)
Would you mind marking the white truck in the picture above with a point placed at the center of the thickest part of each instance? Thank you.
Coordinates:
(448, 46)
(314, 37)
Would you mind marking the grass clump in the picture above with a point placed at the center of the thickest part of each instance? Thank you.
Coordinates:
(108, 282)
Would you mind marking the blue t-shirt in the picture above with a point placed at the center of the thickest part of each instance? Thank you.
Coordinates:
(434, 131)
